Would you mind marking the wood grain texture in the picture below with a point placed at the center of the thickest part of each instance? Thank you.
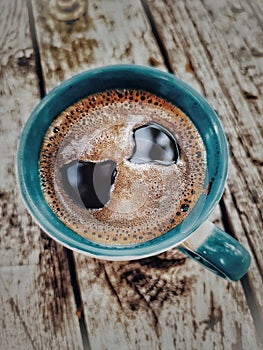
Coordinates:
(36, 297)
(221, 44)
(257, 8)
(168, 301)
(71, 47)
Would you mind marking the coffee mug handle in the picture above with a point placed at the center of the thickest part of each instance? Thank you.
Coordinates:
(217, 251)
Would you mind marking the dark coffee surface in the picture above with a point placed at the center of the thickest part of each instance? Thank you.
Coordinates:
(122, 167)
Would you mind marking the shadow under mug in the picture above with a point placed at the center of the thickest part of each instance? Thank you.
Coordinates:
(195, 236)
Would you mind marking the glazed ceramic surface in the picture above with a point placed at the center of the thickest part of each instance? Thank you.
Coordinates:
(157, 82)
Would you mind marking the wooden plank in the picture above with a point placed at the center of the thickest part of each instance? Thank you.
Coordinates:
(36, 296)
(164, 302)
(70, 48)
(213, 36)
(244, 41)
(257, 8)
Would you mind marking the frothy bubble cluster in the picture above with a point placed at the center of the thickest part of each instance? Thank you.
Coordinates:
(146, 200)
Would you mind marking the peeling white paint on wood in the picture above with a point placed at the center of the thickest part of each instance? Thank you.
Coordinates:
(164, 302)
(215, 37)
(36, 296)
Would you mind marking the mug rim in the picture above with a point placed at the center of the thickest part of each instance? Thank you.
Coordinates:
(49, 222)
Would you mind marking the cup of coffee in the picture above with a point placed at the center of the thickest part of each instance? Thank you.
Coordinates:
(125, 162)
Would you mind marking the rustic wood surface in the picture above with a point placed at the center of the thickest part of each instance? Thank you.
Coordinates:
(222, 47)
(37, 299)
(52, 298)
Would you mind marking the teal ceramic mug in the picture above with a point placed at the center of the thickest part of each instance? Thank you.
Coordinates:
(195, 236)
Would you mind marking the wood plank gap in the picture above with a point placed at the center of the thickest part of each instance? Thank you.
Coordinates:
(157, 36)
(251, 300)
(39, 71)
(78, 298)
(254, 309)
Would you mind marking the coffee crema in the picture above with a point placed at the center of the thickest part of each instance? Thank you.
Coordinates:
(122, 166)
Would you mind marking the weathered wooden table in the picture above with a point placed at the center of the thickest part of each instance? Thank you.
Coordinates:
(52, 298)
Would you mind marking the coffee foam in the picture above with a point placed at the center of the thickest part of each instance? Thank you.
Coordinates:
(146, 200)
